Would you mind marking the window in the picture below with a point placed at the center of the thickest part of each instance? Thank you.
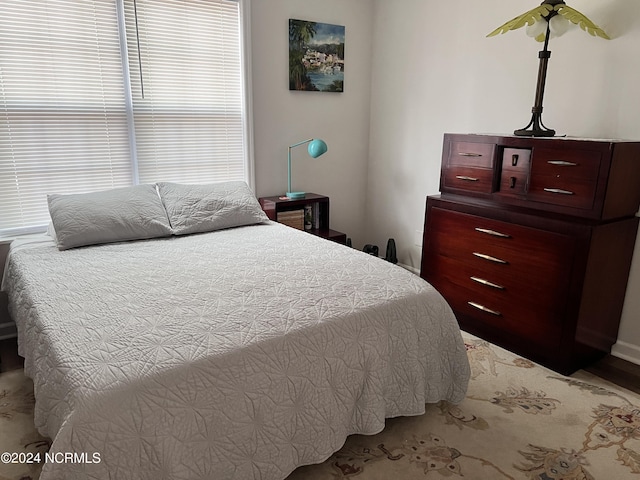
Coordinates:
(63, 121)
(87, 103)
(187, 89)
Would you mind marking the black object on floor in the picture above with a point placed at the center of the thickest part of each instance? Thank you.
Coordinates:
(371, 249)
(391, 251)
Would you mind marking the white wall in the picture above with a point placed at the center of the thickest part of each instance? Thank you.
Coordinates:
(283, 117)
(415, 70)
(435, 72)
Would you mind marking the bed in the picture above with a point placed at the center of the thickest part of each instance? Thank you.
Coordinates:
(238, 353)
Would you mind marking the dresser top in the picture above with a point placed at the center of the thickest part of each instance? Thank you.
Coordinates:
(587, 178)
(562, 137)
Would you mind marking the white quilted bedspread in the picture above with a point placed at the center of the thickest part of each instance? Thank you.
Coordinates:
(237, 354)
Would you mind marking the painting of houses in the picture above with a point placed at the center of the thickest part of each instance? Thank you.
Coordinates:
(316, 56)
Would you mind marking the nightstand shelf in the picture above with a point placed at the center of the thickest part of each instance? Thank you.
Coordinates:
(273, 206)
(7, 326)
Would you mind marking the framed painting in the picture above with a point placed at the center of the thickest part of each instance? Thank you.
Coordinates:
(316, 56)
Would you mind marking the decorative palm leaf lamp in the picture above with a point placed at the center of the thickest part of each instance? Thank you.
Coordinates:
(551, 18)
(316, 148)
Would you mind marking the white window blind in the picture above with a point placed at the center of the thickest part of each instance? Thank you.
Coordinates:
(71, 122)
(186, 82)
(63, 125)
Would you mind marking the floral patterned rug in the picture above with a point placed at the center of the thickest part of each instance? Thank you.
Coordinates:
(519, 421)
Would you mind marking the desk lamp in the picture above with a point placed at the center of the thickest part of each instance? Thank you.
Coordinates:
(316, 148)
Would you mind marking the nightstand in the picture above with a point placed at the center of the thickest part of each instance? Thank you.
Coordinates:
(281, 207)
(7, 326)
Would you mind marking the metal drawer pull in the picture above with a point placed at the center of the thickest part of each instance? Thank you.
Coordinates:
(467, 179)
(490, 258)
(468, 154)
(559, 190)
(487, 283)
(562, 163)
(485, 309)
(492, 232)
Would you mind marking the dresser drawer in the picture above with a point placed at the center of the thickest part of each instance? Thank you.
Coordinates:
(469, 167)
(515, 171)
(471, 154)
(537, 323)
(469, 179)
(568, 165)
(492, 245)
(499, 287)
(575, 193)
(565, 178)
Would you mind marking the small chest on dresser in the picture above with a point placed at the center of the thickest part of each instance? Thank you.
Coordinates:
(531, 242)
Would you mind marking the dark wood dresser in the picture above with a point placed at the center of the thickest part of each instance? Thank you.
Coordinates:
(531, 241)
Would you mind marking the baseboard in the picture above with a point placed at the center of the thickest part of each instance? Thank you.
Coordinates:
(626, 351)
(410, 268)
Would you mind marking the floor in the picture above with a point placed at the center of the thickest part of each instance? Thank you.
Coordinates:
(622, 373)
(613, 369)
(9, 358)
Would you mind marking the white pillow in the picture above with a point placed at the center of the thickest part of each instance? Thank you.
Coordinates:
(204, 208)
(121, 214)
(51, 232)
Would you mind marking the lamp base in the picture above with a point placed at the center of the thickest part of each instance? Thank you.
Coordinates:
(296, 195)
(534, 133)
(537, 127)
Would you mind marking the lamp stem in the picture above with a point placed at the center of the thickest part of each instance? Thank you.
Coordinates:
(537, 127)
(289, 162)
(300, 143)
(289, 171)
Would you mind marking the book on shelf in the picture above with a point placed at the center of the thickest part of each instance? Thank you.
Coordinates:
(292, 218)
(316, 215)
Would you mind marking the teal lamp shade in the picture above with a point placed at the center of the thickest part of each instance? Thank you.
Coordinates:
(316, 148)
